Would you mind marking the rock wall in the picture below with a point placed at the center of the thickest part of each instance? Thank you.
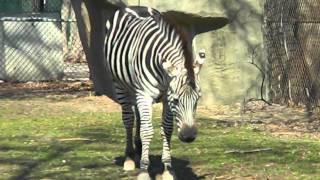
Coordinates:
(228, 76)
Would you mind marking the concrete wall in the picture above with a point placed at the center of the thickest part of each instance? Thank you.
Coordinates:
(227, 76)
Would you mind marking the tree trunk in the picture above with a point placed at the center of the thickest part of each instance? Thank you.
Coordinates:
(91, 18)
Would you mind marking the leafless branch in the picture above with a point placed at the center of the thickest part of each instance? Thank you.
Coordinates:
(253, 56)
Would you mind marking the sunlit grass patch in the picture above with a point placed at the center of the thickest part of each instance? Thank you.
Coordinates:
(67, 143)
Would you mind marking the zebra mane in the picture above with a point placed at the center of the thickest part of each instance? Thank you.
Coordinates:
(186, 45)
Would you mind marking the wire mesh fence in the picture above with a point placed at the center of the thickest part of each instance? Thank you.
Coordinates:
(292, 39)
(39, 41)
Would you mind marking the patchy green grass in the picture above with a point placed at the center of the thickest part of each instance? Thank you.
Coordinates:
(42, 140)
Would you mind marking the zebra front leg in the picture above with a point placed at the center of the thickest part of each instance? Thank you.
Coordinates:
(166, 132)
(128, 121)
(144, 105)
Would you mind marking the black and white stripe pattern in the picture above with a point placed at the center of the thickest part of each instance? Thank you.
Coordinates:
(147, 58)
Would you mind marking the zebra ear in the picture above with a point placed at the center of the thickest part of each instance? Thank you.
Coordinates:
(195, 24)
(200, 59)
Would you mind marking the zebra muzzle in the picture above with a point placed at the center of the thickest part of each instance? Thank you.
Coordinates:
(188, 134)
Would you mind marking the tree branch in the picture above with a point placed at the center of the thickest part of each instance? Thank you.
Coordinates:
(253, 57)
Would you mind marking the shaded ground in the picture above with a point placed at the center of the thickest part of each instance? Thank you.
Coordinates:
(67, 134)
(39, 89)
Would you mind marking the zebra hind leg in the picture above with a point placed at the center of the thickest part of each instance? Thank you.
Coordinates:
(128, 121)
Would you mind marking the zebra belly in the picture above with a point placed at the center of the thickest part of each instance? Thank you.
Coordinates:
(136, 85)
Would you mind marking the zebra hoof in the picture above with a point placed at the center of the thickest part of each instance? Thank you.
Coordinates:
(167, 175)
(143, 176)
(129, 165)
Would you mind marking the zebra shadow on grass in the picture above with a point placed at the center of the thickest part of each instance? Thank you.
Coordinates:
(181, 168)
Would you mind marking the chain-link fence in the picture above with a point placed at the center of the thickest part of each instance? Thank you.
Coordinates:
(39, 41)
(292, 38)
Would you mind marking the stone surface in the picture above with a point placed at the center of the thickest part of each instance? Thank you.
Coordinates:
(227, 76)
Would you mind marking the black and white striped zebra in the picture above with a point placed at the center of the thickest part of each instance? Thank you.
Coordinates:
(151, 59)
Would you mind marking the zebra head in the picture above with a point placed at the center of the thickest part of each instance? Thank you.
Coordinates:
(183, 96)
(184, 89)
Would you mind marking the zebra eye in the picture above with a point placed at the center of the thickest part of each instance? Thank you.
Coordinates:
(202, 54)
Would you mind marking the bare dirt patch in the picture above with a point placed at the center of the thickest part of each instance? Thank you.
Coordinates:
(90, 104)
(33, 89)
(57, 96)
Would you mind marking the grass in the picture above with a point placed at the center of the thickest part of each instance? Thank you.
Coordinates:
(34, 145)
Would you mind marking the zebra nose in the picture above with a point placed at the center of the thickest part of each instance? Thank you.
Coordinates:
(188, 133)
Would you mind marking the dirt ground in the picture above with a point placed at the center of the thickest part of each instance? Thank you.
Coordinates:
(281, 121)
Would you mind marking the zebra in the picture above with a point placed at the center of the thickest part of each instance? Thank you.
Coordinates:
(151, 59)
